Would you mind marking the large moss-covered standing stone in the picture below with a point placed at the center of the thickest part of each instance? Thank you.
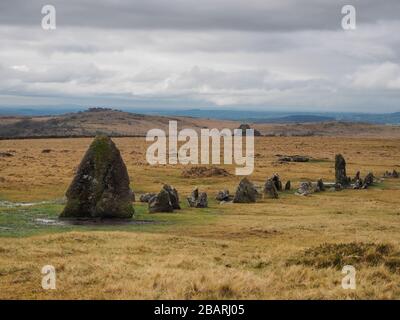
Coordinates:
(100, 188)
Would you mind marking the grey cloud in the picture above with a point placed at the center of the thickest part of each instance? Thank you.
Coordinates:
(252, 15)
(212, 80)
(190, 53)
(80, 73)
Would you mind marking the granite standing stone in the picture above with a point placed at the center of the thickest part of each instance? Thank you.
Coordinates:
(100, 188)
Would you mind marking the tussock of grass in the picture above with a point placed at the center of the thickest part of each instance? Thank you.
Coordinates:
(355, 253)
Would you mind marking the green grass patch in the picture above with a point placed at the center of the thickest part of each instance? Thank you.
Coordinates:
(43, 219)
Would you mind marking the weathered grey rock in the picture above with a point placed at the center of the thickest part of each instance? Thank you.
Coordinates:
(387, 174)
(202, 201)
(146, 197)
(161, 202)
(192, 200)
(223, 195)
(320, 185)
(305, 189)
(173, 195)
(270, 190)
(287, 186)
(100, 188)
(338, 187)
(277, 181)
(6, 154)
(340, 171)
(245, 192)
(368, 180)
(197, 200)
(393, 174)
(357, 176)
(358, 184)
(295, 158)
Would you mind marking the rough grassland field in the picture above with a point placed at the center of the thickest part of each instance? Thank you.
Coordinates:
(292, 247)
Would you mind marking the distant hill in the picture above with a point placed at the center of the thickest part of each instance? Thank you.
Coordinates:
(302, 118)
(330, 128)
(280, 117)
(97, 121)
(388, 118)
(242, 115)
(120, 123)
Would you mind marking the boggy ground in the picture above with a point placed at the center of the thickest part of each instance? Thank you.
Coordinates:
(292, 247)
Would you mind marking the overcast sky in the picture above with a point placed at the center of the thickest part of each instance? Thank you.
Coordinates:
(252, 54)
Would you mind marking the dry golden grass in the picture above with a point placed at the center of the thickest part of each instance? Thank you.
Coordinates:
(229, 251)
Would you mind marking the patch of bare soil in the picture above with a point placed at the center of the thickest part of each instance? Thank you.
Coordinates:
(198, 172)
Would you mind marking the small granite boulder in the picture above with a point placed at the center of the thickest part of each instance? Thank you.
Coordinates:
(270, 189)
(338, 187)
(202, 202)
(320, 185)
(358, 184)
(161, 202)
(245, 192)
(197, 200)
(393, 174)
(146, 197)
(368, 180)
(357, 176)
(295, 158)
(277, 181)
(6, 154)
(173, 195)
(387, 174)
(305, 189)
(223, 196)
